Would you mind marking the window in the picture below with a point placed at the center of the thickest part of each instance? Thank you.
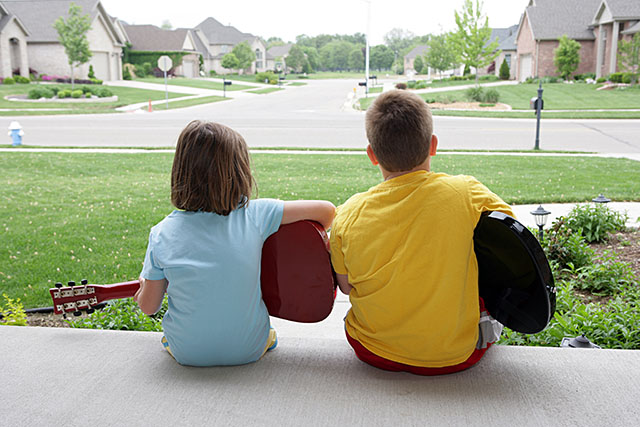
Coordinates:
(258, 54)
(224, 48)
(507, 57)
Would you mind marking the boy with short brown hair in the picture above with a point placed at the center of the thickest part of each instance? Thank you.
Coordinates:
(403, 251)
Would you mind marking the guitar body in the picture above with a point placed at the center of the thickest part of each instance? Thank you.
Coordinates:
(515, 279)
(297, 279)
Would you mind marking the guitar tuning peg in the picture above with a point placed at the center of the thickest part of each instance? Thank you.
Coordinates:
(77, 313)
(84, 282)
(58, 284)
(90, 310)
(71, 283)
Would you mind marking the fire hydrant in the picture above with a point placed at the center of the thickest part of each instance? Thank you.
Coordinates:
(16, 133)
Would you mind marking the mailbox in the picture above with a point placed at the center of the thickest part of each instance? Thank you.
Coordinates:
(534, 103)
(227, 82)
(362, 83)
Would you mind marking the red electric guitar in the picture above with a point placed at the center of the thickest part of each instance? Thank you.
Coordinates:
(297, 279)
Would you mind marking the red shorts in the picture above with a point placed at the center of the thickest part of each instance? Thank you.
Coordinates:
(389, 365)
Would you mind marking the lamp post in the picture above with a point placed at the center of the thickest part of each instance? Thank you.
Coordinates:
(578, 342)
(601, 199)
(366, 52)
(540, 216)
(538, 106)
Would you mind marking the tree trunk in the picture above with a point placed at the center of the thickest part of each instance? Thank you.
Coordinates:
(72, 81)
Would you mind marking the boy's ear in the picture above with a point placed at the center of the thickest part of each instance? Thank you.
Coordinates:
(372, 156)
(434, 145)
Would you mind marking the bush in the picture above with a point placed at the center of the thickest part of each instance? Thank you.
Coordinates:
(9, 81)
(601, 80)
(491, 96)
(615, 77)
(41, 92)
(92, 74)
(122, 314)
(14, 313)
(77, 93)
(126, 74)
(505, 72)
(605, 276)
(475, 94)
(566, 247)
(267, 77)
(65, 93)
(102, 92)
(595, 222)
(401, 86)
(87, 90)
(22, 80)
(143, 70)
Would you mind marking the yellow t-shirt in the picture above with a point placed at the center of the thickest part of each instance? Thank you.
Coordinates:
(407, 248)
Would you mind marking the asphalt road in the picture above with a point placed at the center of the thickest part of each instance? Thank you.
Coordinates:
(313, 116)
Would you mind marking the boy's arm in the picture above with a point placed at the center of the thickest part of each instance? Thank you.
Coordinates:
(343, 283)
(149, 296)
(316, 210)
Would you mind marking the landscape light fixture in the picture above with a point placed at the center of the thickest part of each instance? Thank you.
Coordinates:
(540, 216)
(601, 199)
(578, 342)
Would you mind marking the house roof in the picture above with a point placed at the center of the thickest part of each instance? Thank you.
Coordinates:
(551, 19)
(218, 33)
(201, 43)
(282, 50)
(38, 16)
(7, 17)
(418, 50)
(635, 28)
(506, 37)
(152, 38)
(623, 9)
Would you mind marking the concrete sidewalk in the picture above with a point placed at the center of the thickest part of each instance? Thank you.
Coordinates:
(74, 377)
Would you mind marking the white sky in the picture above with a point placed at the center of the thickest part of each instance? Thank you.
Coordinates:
(288, 18)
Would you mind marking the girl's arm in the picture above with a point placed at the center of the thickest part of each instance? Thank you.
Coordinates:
(316, 210)
(149, 296)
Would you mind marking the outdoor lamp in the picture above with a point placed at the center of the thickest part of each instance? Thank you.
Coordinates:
(540, 216)
(578, 342)
(601, 199)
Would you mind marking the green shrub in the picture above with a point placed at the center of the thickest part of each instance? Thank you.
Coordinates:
(126, 74)
(505, 72)
(22, 80)
(102, 92)
(615, 77)
(88, 90)
(96, 81)
(606, 276)
(595, 221)
(475, 93)
(77, 93)
(491, 96)
(267, 77)
(9, 81)
(92, 74)
(13, 314)
(122, 314)
(40, 92)
(565, 246)
(65, 93)
(601, 80)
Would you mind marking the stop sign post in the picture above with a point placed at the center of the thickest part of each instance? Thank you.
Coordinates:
(165, 63)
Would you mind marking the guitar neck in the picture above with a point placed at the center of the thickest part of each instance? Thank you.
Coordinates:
(116, 290)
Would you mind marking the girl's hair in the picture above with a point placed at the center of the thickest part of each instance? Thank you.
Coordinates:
(211, 169)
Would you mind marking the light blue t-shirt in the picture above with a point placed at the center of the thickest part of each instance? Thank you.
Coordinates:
(216, 315)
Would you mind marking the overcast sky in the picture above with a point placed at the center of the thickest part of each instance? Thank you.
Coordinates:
(288, 18)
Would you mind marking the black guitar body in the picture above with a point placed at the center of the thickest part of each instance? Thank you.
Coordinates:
(514, 280)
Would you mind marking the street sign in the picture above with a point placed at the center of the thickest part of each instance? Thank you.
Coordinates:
(165, 63)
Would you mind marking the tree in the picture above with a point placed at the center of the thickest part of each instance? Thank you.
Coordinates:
(244, 54)
(505, 72)
(274, 41)
(296, 58)
(166, 25)
(418, 64)
(472, 37)
(567, 56)
(398, 39)
(72, 35)
(629, 57)
(313, 58)
(229, 61)
(356, 59)
(441, 55)
(381, 57)
(335, 55)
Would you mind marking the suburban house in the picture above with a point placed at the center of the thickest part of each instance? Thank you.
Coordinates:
(149, 38)
(31, 21)
(597, 25)
(506, 38)
(410, 58)
(277, 57)
(220, 39)
(13, 45)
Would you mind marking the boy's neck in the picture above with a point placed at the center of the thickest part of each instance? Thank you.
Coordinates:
(425, 166)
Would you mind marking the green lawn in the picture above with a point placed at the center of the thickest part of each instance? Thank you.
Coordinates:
(125, 95)
(266, 90)
(67, 216)
(197, 83)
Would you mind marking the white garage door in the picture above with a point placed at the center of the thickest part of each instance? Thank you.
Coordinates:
(100, 62)
(525, 67)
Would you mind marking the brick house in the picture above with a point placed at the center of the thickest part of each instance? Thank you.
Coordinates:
(506, 38)
(219, 39)
(277, 56)
(149, 38)
(30, 23)
(597, 25)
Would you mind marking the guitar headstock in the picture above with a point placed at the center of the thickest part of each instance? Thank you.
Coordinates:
(73, 298)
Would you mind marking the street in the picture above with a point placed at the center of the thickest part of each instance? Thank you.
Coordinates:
(314, 116)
